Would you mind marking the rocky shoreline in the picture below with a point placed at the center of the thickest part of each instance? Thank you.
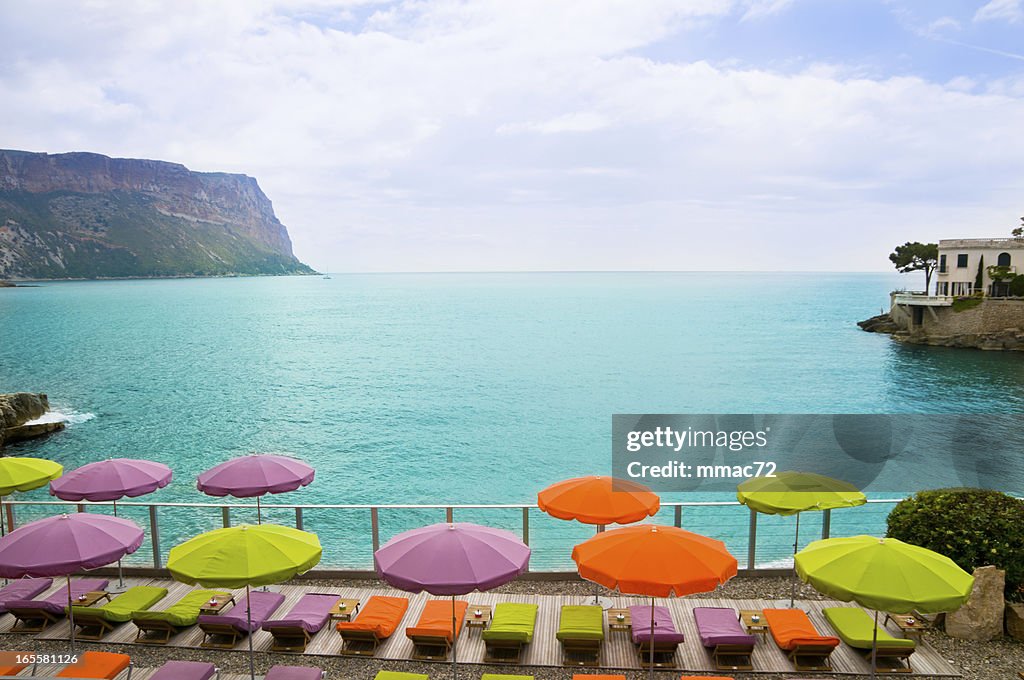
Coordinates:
(16, 413)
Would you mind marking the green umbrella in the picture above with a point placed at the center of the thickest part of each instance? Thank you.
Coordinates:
(791, 492)
(247, 556)
(24, 474)
(884, 574)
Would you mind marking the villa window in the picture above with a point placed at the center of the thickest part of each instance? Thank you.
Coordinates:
(961, 261)
(942, 264)
(1003, 260)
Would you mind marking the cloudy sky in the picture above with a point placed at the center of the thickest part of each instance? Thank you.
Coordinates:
(552, 134)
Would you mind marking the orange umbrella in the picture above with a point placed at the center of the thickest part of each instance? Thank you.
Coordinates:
(654, 560)
(599, 500)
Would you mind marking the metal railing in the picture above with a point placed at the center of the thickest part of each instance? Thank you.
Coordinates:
(758, 541)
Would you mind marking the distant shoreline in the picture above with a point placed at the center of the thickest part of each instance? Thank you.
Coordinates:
(19, 283)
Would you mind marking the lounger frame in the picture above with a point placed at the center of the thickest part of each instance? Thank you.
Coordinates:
(891, 659)
(664, 654)
(213, 630)
(292, 639)
(733, 657)
(147, 629)
(811, 657)
(93, 627)
(503, 651)
(359, 642)
(26, 615)
(430, 647)
(581, 652)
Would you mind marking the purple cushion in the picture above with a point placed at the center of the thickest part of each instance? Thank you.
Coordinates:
(294, 672)
(56, 603)
(310, 613)
(664, 628)
(263, 605)
(184, 670)
(22, 589)
(720, 626)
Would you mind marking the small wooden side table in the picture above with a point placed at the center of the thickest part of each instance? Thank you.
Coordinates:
(909, 625)
(344, 609)
(756, 627)
(91, 598)
(480, 621)
(616, 623)
(216, 604)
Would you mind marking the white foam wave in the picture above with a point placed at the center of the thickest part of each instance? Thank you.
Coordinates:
(71, 417)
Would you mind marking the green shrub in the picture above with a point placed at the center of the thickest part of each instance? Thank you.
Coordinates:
(1017, 286)
(964, 303)
(973, 527)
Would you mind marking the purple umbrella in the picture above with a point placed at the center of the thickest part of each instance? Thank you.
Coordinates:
(255, 475)
(111, 480)
(451, 559)
(62, 545)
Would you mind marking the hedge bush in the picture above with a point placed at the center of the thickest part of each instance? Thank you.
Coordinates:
(973, 527)
(1017, 286)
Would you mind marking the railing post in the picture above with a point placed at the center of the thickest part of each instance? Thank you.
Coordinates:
(154, 536)
(81, 507)
(752, 541)
(526, 525)
(225, 516)
(679, 516)
(448, 515)
(374, 529)
(826, 524)
(298, 519)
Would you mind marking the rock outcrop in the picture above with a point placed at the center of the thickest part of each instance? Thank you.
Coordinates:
(84, 215)
(19, 408)
(981, 618)
(882, 323)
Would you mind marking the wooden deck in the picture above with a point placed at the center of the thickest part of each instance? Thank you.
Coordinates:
(618, 652)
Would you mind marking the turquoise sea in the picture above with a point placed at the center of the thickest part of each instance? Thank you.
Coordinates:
(458, 388)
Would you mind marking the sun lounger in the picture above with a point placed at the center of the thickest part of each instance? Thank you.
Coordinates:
(22, 589)
(432, 635)
(854, 627)
(294, 673)
(234, 625)
(157, 627)
(720, 631)
(95, 622)
(293, 632)
(9, 664)
(186, 670)
(581, 632)
(794, 633)
(665, 638)
(36, 615)
(377, 621)
(104, 665)
(511, 629)
(397, 675)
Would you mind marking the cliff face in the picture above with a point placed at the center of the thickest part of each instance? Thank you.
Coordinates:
(84, 215)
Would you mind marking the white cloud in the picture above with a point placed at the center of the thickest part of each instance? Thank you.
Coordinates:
(755, 9)
(1001, 10)
(452, 135)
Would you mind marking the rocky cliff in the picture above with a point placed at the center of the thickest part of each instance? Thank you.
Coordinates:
(84, 215)
(19, 408)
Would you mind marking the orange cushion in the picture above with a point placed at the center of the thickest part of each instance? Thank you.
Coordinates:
(96, 665)
(381, 616)
(791, 627)
(436, 619)
(12, 669)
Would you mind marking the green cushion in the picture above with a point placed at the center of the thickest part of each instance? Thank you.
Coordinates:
(396, 675)
(121, 608)
(502, 676)
(184, 612)
(512, 622)
(854, 627)
(581, 622)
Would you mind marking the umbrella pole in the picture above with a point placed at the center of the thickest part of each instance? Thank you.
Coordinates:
(650, 644)
(455, 643)
(796, 549)
(71, 612)
(3, 520)
(248, 619)
(120, 572)
(259, 512)
(874, 646)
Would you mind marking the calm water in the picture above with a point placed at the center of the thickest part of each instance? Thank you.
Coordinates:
(466, 388)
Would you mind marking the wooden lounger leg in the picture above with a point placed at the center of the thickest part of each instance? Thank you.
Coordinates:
(291, 642)
(890, 663)
(809, 660)
(502, 653)
(733, 658)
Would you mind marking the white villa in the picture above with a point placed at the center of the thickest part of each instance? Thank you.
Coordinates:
(959, 260)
